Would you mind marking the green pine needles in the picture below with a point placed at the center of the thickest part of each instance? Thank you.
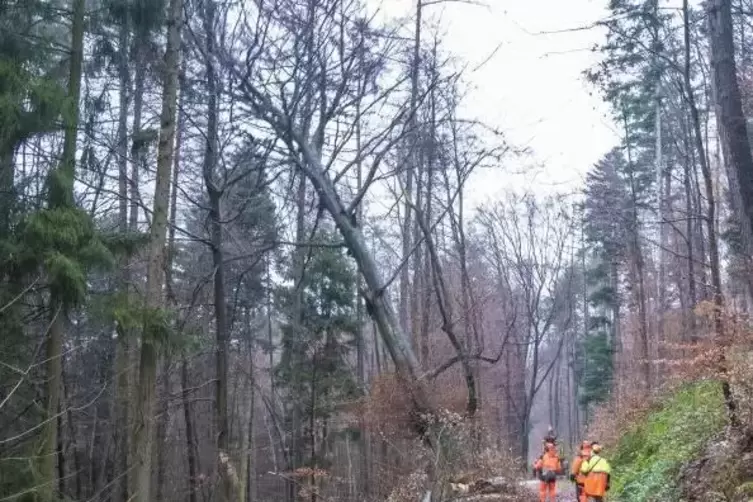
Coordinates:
(63, 241)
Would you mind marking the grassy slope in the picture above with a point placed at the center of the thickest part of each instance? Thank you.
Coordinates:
(649, 456)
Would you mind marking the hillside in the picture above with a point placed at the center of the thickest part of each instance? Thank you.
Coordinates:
(679, 449)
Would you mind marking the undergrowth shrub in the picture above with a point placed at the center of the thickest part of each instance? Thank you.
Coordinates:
(464, 451)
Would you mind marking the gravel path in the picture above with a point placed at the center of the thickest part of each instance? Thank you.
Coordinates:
(565, 489)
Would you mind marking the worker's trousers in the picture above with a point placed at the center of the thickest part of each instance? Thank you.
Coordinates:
(580, 495)
(548, 489)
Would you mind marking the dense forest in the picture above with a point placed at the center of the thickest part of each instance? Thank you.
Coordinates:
(240, 258)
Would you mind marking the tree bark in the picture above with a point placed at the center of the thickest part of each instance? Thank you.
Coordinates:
(78, 471)
(729, 111)
(8, 194)
(247, 491)
(736, 149)
(193, 488)
(139, 145)
(162, 426)
(143, 439)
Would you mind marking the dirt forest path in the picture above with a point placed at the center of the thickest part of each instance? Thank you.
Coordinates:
(565, 489)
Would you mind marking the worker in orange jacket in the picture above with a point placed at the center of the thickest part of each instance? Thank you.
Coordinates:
(575, 475)
(548, 466)
(598, 474)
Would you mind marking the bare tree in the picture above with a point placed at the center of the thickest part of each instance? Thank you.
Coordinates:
(529, 243)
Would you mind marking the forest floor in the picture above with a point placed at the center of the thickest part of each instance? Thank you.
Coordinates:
(565, 490)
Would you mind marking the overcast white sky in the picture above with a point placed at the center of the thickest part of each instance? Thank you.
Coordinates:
(533, 88)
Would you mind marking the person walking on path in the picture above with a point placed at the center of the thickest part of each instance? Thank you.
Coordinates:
(576, 477)
(547, 467)
(597, 472)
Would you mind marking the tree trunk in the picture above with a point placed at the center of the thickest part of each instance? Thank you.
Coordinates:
(409, 175)
(716, 282)
(54, 343)
(661, 287)
(162, 425)
(139, 145)
(616, 335)
(427, 271)
(122, 344)
(729, 111)
(299, 258)
(143, 439)
(736, 148)
(247, 491)
(253, 491)
(65, 410)
(636, 255)
(193, 488)
(8, 196)
(62, 492)
(692, 295)
(215, 218)
(365, 443)
(377, 300)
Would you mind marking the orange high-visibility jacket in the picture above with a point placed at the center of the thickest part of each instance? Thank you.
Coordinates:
(597, 471)
(548, 462)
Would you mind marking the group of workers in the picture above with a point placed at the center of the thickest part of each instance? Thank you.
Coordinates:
(590, 472)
